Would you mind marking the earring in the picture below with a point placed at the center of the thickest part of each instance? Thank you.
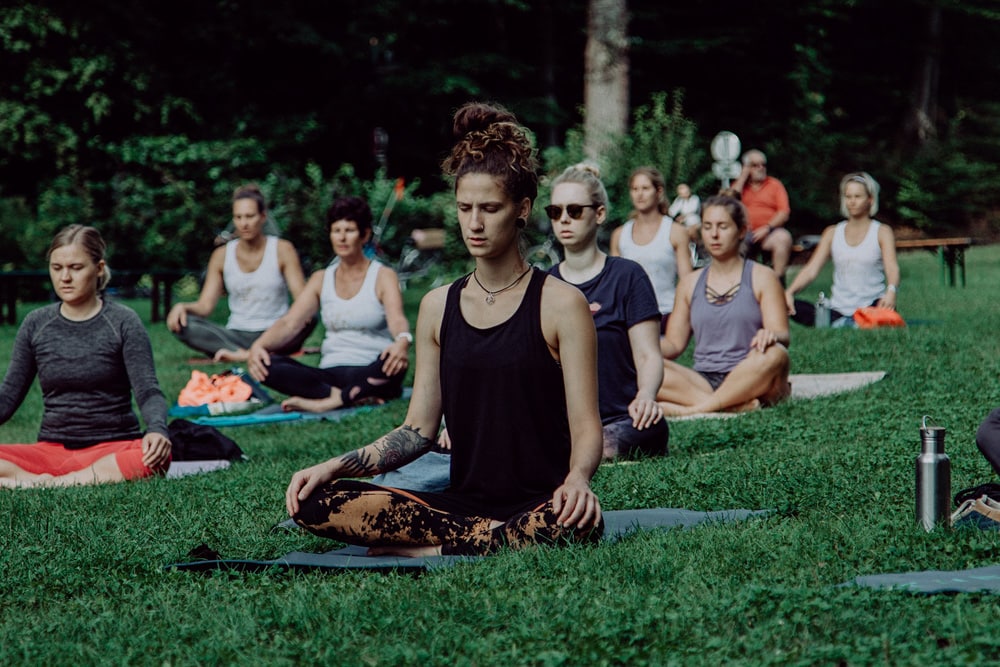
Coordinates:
(521, 223)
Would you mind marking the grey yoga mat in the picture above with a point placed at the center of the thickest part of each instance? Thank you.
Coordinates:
(985, 579)
(617, 523)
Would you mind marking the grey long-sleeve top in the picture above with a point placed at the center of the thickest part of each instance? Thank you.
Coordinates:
(88, 372)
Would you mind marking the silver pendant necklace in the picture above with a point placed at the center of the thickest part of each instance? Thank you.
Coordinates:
(491, 294)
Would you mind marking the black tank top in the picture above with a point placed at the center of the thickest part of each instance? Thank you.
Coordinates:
(505, 408)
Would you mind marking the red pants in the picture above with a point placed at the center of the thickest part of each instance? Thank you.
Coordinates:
(56, 460)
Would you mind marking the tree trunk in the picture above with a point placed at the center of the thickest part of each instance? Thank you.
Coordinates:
(920, 125)
(605, 93)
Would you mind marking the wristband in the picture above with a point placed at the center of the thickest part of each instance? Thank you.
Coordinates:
(405, 335)
(892, 288)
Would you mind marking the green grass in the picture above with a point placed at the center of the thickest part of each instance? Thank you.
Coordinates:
(82, 578)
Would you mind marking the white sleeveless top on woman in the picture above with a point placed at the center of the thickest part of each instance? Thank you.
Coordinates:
(858, 273)
(658, 259)
(258, 298)
(356, 329)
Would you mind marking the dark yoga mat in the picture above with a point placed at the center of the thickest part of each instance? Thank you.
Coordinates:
(617, 524)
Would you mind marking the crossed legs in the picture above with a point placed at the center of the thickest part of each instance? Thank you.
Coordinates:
(394, 521)
(313, 389)
(760, 379)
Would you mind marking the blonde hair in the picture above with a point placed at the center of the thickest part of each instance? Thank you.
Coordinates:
(90, 240)
(871, 187)
(588, 175)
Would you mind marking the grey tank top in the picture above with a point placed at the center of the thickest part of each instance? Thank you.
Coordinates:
(722, 333)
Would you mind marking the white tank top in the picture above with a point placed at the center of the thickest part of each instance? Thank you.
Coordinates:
(356, 330)
(858, 273)
(658, 259)
(258, 298)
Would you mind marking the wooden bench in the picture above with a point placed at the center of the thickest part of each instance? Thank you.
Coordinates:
(950, 253)
(161, 294)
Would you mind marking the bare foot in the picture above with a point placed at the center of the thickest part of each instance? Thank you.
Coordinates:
(674, 409)
(749, 406)
(231, 355)
(300, 404)
(27, 481)
(406, 551)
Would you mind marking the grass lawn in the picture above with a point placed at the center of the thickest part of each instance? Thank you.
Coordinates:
(82, 578)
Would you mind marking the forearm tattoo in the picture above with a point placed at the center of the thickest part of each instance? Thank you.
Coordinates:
(389, 452)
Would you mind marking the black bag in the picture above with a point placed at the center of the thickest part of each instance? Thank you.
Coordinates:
(200, 442)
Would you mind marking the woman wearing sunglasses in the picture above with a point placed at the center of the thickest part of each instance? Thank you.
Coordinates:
(736, 310)
(651, 238)
(507, 355)
(625, 311)
(865, 270)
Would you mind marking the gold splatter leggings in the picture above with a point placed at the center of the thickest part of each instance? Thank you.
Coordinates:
(363, 513)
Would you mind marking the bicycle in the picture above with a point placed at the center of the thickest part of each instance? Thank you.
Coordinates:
(420, 254)
(543, 255)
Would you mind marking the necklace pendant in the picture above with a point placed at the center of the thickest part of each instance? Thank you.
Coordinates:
(490, 298)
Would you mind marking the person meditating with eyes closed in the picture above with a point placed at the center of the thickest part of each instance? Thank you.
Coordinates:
(735, 308)
(507, 354)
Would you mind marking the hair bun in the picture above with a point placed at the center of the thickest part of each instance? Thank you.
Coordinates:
(478, 116)
(589, 167)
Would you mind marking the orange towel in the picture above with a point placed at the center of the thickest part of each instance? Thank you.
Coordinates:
(872, 317)
(202, 389)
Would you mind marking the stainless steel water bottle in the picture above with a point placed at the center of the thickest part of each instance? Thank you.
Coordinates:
(933, 478)
(822, 311)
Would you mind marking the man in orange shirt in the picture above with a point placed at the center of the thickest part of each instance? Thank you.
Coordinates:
(766, 201)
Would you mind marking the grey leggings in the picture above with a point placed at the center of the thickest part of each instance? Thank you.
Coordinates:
(209, 337)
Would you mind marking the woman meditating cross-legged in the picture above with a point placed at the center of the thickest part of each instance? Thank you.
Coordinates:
(736, 309)
(625, 311)
(91, 355)
(865, 270)
(258, 272)
(508, 355)
(366, 348)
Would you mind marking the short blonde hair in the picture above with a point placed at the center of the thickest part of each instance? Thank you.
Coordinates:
(871, 187)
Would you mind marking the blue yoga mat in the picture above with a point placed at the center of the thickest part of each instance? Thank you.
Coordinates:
(274, 414)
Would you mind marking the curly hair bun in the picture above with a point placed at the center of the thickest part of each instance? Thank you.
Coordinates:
(478, 116)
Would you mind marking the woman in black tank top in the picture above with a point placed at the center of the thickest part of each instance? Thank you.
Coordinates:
(508, 356)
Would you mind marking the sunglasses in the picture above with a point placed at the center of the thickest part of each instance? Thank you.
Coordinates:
(574, 211)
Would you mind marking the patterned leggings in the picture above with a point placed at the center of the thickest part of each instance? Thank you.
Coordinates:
(363, 513)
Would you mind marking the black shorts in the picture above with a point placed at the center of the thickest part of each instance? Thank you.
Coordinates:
(715, 378)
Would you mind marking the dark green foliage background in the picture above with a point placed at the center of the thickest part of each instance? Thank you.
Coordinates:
(141, 118)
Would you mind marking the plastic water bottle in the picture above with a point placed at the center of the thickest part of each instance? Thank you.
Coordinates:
(933, 491)
(822, 312)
